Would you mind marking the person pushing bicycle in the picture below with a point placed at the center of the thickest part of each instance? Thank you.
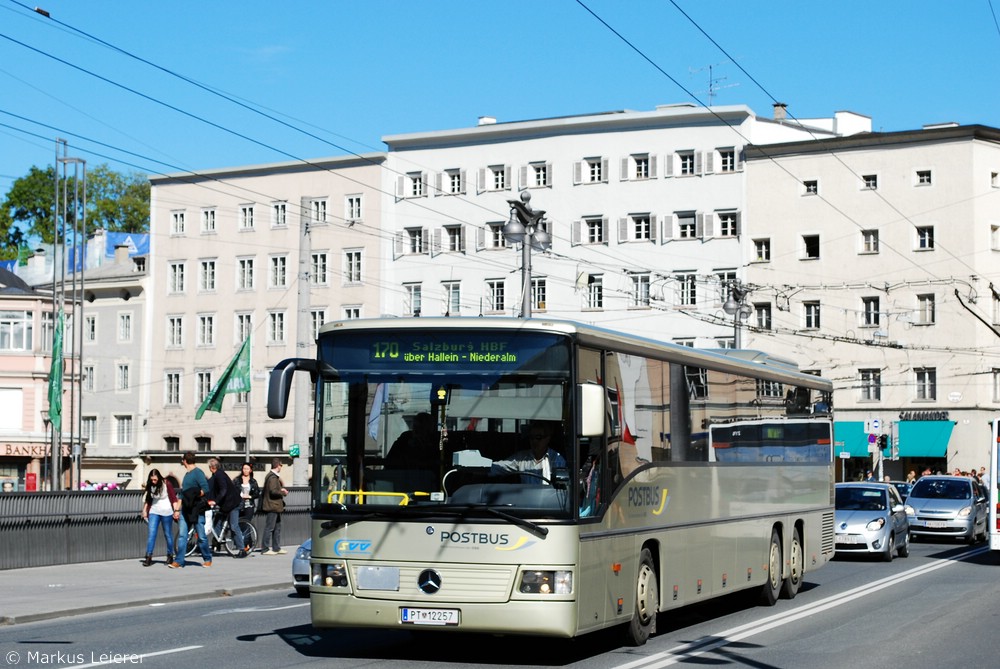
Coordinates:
(224, 500)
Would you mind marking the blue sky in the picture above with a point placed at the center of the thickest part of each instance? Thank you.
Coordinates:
(351, 72)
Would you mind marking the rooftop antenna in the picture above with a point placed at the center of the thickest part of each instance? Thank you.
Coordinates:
(713, 81)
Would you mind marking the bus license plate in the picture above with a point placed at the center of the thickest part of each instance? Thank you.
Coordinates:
(411, 616)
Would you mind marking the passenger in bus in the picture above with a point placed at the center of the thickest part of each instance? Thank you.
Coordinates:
(418, 447)
(536, 463)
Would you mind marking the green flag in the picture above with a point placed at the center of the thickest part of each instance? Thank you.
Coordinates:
(56, 375)
(236, 379)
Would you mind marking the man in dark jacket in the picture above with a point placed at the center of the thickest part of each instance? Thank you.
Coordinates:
(194, 488)
(224, 500)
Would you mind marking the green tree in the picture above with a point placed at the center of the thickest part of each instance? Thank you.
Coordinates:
(116, 202)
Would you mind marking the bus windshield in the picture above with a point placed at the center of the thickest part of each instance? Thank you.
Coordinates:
(467, 421)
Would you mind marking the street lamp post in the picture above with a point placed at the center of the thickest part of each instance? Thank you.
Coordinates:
(525, 227)
(736, 306)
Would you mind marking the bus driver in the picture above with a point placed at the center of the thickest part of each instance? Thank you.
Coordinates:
(537, 462)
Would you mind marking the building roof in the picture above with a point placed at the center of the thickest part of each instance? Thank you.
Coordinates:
(12, 284)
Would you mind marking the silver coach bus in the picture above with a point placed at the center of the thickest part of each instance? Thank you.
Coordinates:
(669, 475)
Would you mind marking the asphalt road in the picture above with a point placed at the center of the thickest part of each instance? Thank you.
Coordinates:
(935, 608)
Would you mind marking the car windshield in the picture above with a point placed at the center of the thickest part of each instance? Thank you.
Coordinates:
(941, 489)
(860, 499)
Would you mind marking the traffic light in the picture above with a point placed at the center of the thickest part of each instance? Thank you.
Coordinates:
(883, 441)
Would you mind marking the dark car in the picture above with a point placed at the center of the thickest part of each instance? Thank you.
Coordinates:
(870, 518)
(948, 507)
(903, 488)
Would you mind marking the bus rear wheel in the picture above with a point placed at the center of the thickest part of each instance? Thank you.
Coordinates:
(647, 601)
(794, 579)
(772, 587)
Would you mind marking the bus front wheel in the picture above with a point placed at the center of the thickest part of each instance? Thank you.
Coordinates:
(647, 601)
(772, 587)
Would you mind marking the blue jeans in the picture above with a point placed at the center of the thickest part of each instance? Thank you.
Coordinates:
(157, 521)
(234, 525)
(182, 539)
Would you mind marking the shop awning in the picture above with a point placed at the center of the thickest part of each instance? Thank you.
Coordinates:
(916, 438)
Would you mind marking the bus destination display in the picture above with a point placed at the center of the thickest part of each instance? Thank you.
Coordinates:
(426, 352)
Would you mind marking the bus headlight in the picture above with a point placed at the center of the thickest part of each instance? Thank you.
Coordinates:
(330, 575)
(546, 582)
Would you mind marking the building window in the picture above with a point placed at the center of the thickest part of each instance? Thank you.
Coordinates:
(275, 444)
(642, 228)
(539, 174)
(498, 178)
(454, 238)
(869, 241)
(246, 217)
(727, 160)
(640, 289)
(595, 230)
(351, 313)
(641, 162)
(538, 290)
(244, 326)
(172, 444)
(206, 330)
(687, 228)
(926, 383)
(687, 289)
(415, 184)
(923, 177)
(494, 236)
(316, 319)
(88, 429)
(770, 389)
(762, 249)
(89, 328)
(278, 274)
(728, 224)
(595, 170)
(279, 214)
(925, 238)
(208, 220)
(177, 222)
(203, 386)
(810, 247)
(870, 311)
(175, 331)
(871, 385)
(686, 159)
(495, 295)
(697, 382)
(452, 297)
(317, 270)
(810, 187)
(352, 208)
(595, 291)
(123, 430)
(175, 278)
(89, 378)
(762, 315)
(203, 444)
(125, 327)
(415, 241)
(317, 209)
(413, 299)
(172, 389)
(811, 311)
(352, 266)
(276, 327)
(206, 276)
(870, 181)
(456, 181)
(925, 309)
(244, 274)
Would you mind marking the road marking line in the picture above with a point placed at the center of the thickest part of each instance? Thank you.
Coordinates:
(139, 656)
(705, 644)
(255, 609)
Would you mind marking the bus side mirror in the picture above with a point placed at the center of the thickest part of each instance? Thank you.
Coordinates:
(279, 385)
(590, 399)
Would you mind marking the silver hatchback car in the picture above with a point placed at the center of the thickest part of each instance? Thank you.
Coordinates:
(948, 507)
(871, 518)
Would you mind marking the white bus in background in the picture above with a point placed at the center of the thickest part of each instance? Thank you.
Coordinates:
(994, 499)
(682, 475)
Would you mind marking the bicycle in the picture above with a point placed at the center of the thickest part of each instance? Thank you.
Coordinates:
(221, 536)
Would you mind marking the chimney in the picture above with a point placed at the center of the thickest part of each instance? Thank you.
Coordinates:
(780, 111)
(121, 254)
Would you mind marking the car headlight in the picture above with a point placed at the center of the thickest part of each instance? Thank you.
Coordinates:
(964, 513)
(910, 511)
(875, 525)
(546, 582)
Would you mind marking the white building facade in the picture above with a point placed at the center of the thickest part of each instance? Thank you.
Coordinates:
(873, 260)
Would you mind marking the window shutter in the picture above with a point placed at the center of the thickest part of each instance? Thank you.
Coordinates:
(698, 160)
(435, 242)
(652, 227)
(423, 240)
(425, 181)
(507, 174)
(739, 225)
(524, 178)
(652, 166)
(604, 229)
(480, 239)
(623, 229)
(668, 228)
(461, 181)
(577, 172)
(668, 165)
(605, 163)
(481, 181)
(575, 237)
(400, 187)
(397, 249)
(437, 183)
(737, 159)
(709, 162)
(706, 222)
(624, 172)
(548, 174)
(461, 238)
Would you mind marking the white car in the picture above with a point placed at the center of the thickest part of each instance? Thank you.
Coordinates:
(300, 567)
(871, 518)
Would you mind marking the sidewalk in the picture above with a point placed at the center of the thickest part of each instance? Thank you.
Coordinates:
(41, 593)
